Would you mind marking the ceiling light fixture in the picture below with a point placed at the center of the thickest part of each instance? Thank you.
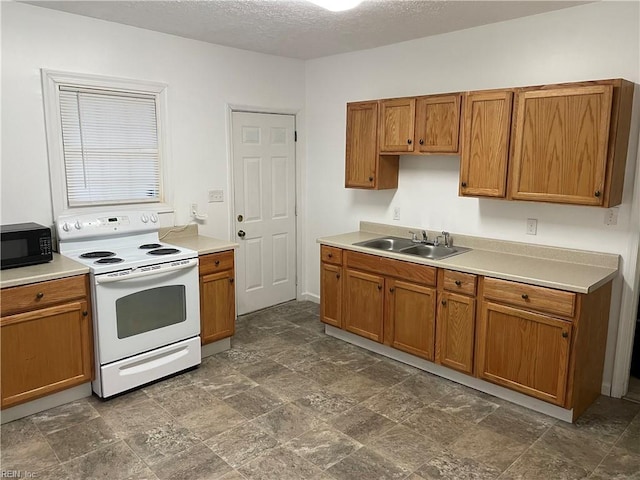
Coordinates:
(337, 5)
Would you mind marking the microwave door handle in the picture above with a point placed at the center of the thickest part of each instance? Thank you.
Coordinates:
(133, 275)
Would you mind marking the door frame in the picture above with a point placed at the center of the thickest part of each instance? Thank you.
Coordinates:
(299, 184)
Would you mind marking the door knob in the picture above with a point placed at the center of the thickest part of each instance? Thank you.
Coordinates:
(241, 233)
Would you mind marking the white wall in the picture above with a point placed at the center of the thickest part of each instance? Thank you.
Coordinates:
(594, 41)
(202, 79)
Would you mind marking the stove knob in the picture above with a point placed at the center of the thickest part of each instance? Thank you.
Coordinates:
(78, 225)
(144, 218)
(66, 227)
(154, 218)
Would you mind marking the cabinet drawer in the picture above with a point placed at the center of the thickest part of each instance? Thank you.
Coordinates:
(394, 268)
(43, 294)
(216, 262)
(331, 255)
(459, 282)
(548, 300)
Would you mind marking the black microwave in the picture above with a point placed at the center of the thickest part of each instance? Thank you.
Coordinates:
(24, 244)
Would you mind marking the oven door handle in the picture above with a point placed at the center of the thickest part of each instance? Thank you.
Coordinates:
(130, 275)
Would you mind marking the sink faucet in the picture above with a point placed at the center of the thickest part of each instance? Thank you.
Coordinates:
(414, 237)
(446, 237)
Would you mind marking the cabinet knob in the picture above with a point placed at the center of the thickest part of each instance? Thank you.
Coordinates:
(458, 283)
(464, 184)
(330, 255)
(409, 141)
(379, 287)
(421, 142)
(597, 194)
(444, 302)
(565, 334)
(392, 289)
(217, 262)
(39, 295)
(371, 179)
(231, 280)
(85, 313)
(337, 275)
(525, 296)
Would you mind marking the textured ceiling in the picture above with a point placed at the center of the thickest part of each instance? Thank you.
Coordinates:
(299, 29)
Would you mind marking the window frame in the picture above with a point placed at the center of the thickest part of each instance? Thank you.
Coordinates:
(51, 81)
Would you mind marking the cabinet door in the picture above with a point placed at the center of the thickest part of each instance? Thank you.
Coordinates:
(45, 351)
(524, 351)
(364, 310)
(456, 332)
(331, 294)
(217, 306)
(437, 124)
(362, 145)
(560, 144)
(397, 122)
(411, 310)
(485, 143)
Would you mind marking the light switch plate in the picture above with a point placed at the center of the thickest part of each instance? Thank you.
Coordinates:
(532, 226)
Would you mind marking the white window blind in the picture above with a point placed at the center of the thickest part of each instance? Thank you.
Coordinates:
(110, 147)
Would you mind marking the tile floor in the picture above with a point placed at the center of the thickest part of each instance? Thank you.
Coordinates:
(288, 402)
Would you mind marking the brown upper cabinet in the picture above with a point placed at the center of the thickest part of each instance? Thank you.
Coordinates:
(428, 124)
(563, 143)
(569, 143)
(485, 143)
(364, 166)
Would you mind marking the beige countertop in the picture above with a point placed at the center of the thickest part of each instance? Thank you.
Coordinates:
(200, 243)
(59, 267)
(571, 274)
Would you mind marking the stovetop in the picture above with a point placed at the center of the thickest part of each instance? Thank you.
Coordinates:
(116, 242)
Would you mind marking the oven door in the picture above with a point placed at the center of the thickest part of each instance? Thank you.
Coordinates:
(145, 308)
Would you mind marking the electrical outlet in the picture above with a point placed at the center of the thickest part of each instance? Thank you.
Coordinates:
(396, 213)
(216, 196)
(611, 216)
(194, 209)
(532, 226)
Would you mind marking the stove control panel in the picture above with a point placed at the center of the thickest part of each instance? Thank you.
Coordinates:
(97, 225)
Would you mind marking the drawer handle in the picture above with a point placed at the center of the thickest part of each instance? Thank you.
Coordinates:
(565, 334)
(525, 296)
(458, 283)
(39, 295)
(330, 255)
(217, 262)
(444, 302)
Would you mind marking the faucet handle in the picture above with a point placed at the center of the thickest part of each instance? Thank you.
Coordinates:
(414, 236)
(447, 239)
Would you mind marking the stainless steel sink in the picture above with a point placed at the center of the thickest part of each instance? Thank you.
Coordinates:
(392, 244)
(434, 252)
(404, 245)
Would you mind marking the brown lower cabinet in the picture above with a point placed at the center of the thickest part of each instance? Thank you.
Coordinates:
(46, 339)
(545, 343)
(217, 296)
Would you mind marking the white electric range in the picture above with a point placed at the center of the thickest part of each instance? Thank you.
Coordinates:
(145, 297)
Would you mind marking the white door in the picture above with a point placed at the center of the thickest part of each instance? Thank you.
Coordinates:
(264, 209)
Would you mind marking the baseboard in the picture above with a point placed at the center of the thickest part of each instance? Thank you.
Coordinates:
(310, 297)
(45, 403)
(215, 347)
